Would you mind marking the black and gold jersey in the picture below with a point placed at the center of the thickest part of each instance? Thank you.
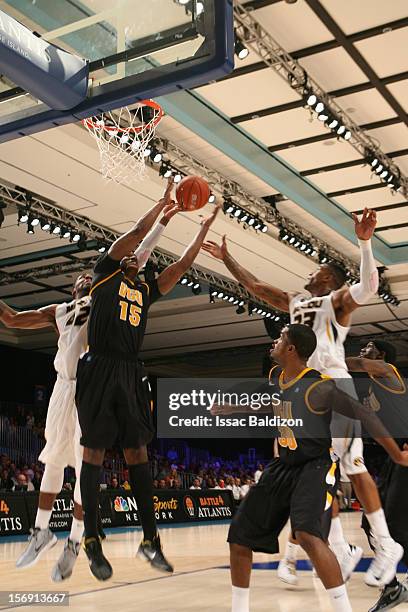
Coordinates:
(388, 398)
(119, 307)
(301, 443)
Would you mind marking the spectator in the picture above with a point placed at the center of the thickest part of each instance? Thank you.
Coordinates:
(114, 484)
(196, 484)
(162, 484)
(36, 481)
(6, 482)
(22, 483)
(177, 484)
(244, 487)
(155, 484)
(221, 484)
(258, 472)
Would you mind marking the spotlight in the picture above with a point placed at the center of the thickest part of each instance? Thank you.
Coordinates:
(22, 216)
(333, 123)
(238, 213)
(341, 130)
(147, 152)
(323, 116)
(379, 169)
(190, 283)
(196, 289)
(283, 234)
(211, 199)
(347, 135)
(76, 237)
(241, 51)
(231, 299)
(55, 229)
(177, 177)
(65, 232)
(213, 292)
(323, 258)
(292, 239)
(101, 248)
(155, 155)
(311, 100)
(45, 225)
(220, 294)
(251, 221)
(165, 170)
(34, 220)
(199, 8)
(228, 207)
(264, 229)
(374, 162)
(319, 107)
(184, 281)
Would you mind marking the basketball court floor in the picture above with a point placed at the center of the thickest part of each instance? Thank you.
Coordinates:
(201, 580)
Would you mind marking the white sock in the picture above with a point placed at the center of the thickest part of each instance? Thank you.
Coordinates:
(339, 599)
(378, 524)
(43, 518)
(336, 536)
(291, 552)
(240, 599)
(77, 530)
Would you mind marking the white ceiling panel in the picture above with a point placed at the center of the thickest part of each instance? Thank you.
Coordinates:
(319, 154)
(395, 235)
(391, 138)
(366, 106)
(355, 16)
(333, 69)
(346, 178)
(400, 91)
(266, 88)
(282, 21)
(373, 198)
(289, 125)
(387, 54)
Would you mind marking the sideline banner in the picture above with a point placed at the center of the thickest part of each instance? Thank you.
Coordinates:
(118, 509)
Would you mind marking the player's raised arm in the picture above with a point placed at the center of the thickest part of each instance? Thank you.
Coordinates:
(326, 395)
(348, 299)
(29, 319)
(272, 295)
(375, 367)
(129, 241)
(172, 274)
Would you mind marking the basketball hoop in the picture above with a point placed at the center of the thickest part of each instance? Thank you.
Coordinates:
(123, 138)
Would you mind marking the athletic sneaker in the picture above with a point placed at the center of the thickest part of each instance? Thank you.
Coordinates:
(287, 572)
(391, 596)
(65, 564)
(348, 560)
(39, 541)
(384, 565)
(98, 563)
(151, 551)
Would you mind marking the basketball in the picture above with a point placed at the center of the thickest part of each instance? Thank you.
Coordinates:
(192, 193)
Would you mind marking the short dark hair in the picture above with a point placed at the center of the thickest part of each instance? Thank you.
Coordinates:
(390, 354)
(303, 339)
(338, 272)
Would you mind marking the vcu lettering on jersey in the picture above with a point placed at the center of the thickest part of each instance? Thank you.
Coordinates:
(119, 310)
(313, 440)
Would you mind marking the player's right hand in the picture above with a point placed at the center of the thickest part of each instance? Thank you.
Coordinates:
(167, 199)
(403, 456)
(217, 251)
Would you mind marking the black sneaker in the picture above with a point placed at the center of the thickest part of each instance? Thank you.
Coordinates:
(98, 564)
(151, 551)
(391, 596)
(101, 532)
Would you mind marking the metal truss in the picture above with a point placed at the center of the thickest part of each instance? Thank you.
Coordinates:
(255, 37)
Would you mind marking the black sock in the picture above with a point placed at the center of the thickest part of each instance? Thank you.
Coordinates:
(90, 477)
(394, 583)
(142, 488)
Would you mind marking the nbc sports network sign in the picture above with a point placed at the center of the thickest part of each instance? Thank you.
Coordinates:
(118, 509)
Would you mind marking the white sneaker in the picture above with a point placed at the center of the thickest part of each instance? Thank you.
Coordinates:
(39, 541)
(384, 565)
(287, 572)
(65, 564)
(348, 560)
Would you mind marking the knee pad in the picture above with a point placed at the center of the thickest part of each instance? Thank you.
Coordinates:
(53, 479)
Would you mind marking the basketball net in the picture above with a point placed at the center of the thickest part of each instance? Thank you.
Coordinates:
(123, 138)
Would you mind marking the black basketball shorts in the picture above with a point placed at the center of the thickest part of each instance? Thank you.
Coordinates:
(114, 402)
(303, 493)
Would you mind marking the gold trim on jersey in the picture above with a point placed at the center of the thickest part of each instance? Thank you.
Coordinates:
(272, 369)
(328, 330)
(400, 380)
(104, 280)
(284, 386)
(309, 389)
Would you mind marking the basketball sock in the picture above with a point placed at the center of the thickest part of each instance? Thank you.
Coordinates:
(291, 552)
(43, 518)
(339, 599)
(337, 542)
(378, 524)
(240, 599)
(142, 488)
(77, 529)
(90, 476)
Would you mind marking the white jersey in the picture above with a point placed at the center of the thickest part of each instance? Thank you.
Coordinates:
(72, 323)
(318, 313)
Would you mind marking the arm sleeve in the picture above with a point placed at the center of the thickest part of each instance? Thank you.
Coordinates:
(147, 245)
(363, 291)
(326, 394)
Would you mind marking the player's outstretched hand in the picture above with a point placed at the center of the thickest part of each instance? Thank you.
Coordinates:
(403, 456)
(167, 196)
(365, 227)
(170, 210)
(217, 251)
(208, 221)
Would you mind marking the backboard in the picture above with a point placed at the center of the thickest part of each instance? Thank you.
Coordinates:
(136, 48)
